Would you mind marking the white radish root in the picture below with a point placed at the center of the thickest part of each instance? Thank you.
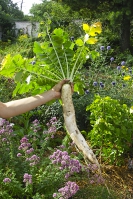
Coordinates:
(71, 126)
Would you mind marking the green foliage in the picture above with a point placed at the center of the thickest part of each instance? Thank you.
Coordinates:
(112, 124)
(60, 15)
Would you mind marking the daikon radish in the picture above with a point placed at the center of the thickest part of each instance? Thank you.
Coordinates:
(71, 126)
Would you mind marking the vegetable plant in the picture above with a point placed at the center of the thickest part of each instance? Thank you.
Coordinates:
(57, 57)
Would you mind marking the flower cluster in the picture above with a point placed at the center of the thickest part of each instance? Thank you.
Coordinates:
(6, 128)
(121, 71)
(68, 191)
(34, 159)
(6, 132)
(52, 127)
(24, 144)
(27, 178)
(103, 48)
(6, 180)
(63, 159)
(35, 126)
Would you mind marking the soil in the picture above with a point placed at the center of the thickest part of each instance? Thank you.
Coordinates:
(120, 179)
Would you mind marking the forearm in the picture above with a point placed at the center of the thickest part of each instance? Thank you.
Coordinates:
(20, 106)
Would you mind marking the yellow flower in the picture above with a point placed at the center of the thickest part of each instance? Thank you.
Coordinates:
(126, 68)
(39, 35)
(123, 66)
(126, 78)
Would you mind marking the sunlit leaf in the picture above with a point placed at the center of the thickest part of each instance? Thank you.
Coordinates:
(86, 28)
(94, 54)
(37, 48)
(79, 42)
(94, 29)
(58, 32)
(18, 76)
(91, 40)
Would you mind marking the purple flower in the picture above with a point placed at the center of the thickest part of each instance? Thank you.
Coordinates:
(113, 83)
(112, 59)
(87, 92)
(33, 62)
(34, 159)
(62, 158)
(19, 154)
(102, 85)
(108, 47)
(94, 83)
(54, 195)
(123, 74)
(102, 47)
(27, 178)
(6, 180)
(123, 63)
(69, 190)
(118, 67)
(72, 38)
(24, 140)
(4, 139)
(29, 150)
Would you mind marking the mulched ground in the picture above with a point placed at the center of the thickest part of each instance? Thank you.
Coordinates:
(118, 185)
(120, 179)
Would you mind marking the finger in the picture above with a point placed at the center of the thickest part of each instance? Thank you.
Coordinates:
(64, 81)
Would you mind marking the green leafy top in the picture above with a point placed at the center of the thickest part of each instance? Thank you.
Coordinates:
(57, 58)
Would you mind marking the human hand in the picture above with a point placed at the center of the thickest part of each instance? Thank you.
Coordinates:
(57, 88)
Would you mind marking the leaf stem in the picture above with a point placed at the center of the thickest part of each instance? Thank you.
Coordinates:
(73, 70)
(66, 63)
(56, 55)
(31, 72)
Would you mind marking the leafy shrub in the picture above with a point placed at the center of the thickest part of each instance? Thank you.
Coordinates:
(112, 124)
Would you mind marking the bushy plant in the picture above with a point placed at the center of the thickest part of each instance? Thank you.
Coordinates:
(112, 125)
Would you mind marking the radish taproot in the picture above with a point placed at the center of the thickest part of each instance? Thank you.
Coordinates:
(71, 126)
